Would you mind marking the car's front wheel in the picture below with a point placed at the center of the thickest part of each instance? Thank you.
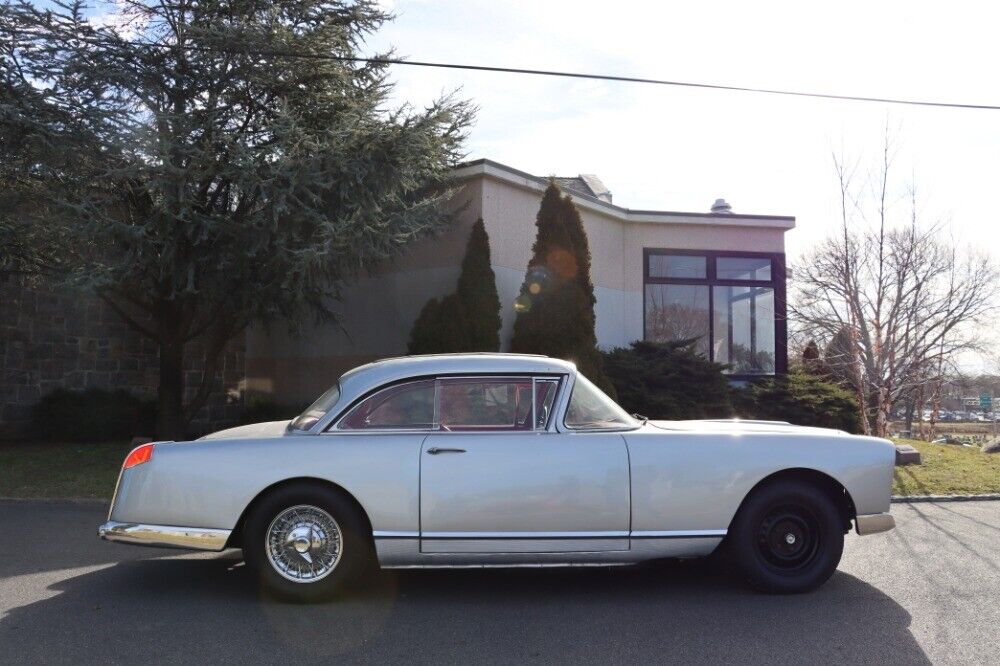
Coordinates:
(788, 537)
(307, 542)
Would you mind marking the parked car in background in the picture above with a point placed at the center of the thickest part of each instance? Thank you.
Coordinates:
(501, 460)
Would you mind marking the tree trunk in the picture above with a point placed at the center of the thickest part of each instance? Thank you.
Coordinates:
(921, 401)
(883, 414)
(170, 398)
(909, 408)
(935, 409)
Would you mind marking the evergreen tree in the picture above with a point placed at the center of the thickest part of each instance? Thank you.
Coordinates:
(467, 320)
(200, 177)
(477, 294)
(555, 310)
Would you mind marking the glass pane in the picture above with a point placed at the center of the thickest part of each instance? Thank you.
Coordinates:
(408, 406)
(317, 410)
(743, 322)
(677, 266)
(476, 404)
(545, 395)
(590, 408)
(743, 268)
(677, 312)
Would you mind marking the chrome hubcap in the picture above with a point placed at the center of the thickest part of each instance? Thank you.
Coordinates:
(304, 543)
(790, 538)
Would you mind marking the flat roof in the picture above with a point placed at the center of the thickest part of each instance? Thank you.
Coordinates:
(491, 169)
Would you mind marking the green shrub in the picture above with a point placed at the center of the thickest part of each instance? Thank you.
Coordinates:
(672, 381)
(92, 415)
(668, 381)
(800, 398)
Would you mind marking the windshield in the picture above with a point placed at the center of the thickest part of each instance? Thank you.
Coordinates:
(590, 408)
(317, 410)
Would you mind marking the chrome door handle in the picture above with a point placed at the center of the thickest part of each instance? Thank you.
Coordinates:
(435, 450)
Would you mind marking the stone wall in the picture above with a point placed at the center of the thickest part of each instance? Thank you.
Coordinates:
(57, 338)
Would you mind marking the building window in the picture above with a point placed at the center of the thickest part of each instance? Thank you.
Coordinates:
(731, 304)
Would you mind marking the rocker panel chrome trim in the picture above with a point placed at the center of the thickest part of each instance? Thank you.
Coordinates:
(678, 534)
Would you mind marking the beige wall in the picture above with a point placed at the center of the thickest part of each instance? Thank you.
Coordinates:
(378, 311)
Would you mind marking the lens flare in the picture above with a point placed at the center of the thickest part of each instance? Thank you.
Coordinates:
(562, 263)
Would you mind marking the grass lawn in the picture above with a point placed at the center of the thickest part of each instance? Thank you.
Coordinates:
(35, 469)
(948, 470)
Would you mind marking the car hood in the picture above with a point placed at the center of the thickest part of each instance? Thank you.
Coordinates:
(253, 430)
(739, 426)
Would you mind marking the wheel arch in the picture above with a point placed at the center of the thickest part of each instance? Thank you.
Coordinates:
(833, 488)
(236, 537)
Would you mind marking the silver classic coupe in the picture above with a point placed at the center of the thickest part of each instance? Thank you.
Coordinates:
(501, 460)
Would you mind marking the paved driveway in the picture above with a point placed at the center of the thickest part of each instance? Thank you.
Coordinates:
(929, 592)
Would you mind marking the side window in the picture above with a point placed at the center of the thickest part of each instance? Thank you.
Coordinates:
(485, 404)
(405, 407)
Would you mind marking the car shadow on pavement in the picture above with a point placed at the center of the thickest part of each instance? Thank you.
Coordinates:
(41, 529)
(209, 610)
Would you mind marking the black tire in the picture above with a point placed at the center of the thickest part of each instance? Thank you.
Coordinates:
(301, 508)
(787, 537)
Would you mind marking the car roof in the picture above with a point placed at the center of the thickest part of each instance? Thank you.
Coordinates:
(372, 375)
(364, 379)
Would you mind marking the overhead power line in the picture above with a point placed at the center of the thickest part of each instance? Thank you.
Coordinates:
(663, 82)
(574, 75)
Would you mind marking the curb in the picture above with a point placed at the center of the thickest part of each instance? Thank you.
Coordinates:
(907, 499)
(58, 500)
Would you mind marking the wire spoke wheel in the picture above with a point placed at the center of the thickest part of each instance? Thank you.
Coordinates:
(304, 543)
(788, 538)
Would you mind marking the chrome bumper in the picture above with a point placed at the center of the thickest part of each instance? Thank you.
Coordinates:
(874, 523)
(164, 536)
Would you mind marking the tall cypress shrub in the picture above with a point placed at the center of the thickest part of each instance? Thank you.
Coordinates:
(477, 293)
(555, 310)
(467, 320)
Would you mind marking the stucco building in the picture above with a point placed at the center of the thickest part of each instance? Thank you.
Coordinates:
(717, 276)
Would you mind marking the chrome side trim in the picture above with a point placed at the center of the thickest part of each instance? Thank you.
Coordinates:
(677, 534)
(874, 523)
(164, 536)
(638, 534)
(525, 535)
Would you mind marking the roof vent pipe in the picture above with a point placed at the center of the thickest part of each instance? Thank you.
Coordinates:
(720, 207)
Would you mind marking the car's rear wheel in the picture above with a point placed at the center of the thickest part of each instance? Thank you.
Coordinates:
(788, 537)
(307, 542)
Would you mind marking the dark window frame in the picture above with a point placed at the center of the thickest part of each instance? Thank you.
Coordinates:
(777, 283)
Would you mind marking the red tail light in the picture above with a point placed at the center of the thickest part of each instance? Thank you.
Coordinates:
(139, 455)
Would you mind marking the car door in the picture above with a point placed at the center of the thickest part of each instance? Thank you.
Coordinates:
(495, 479)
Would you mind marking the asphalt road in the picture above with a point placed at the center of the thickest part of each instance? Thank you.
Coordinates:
(928, 592)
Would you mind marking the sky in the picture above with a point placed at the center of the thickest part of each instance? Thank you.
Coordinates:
(671, 148)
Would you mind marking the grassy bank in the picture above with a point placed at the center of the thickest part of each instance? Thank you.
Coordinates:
(33, 469)
(948, 470)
